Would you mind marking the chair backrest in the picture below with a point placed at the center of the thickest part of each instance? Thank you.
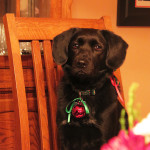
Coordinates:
(39, 29)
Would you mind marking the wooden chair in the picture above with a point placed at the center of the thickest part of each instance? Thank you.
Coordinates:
(39, 29)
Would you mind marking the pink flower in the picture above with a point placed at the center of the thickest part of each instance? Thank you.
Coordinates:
(148, 147)
(125, 141)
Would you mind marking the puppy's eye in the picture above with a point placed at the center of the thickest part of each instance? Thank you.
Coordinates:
(97, 47)
(75, 45)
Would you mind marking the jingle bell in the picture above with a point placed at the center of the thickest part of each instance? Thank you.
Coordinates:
(78, 111)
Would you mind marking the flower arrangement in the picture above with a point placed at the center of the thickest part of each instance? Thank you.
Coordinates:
(137, 137)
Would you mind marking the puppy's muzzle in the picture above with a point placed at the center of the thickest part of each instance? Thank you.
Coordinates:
(81, 63)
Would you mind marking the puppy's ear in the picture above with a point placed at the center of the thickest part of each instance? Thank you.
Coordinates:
(60, 46)
(116, 49)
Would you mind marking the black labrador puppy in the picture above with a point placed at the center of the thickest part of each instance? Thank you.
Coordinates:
(88, 111)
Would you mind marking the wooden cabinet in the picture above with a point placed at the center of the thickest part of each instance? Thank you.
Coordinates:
(7, 120)
(7, 123)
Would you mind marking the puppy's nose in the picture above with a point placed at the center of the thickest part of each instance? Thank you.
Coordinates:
(81, 64)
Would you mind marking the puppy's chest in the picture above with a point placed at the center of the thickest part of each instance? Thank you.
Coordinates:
(96, 103)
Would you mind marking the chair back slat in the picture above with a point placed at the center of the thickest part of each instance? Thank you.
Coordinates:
(51, 83)
(41, 95)
(19, 95)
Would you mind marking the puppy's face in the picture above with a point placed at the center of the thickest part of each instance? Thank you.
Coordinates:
(87, 53)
